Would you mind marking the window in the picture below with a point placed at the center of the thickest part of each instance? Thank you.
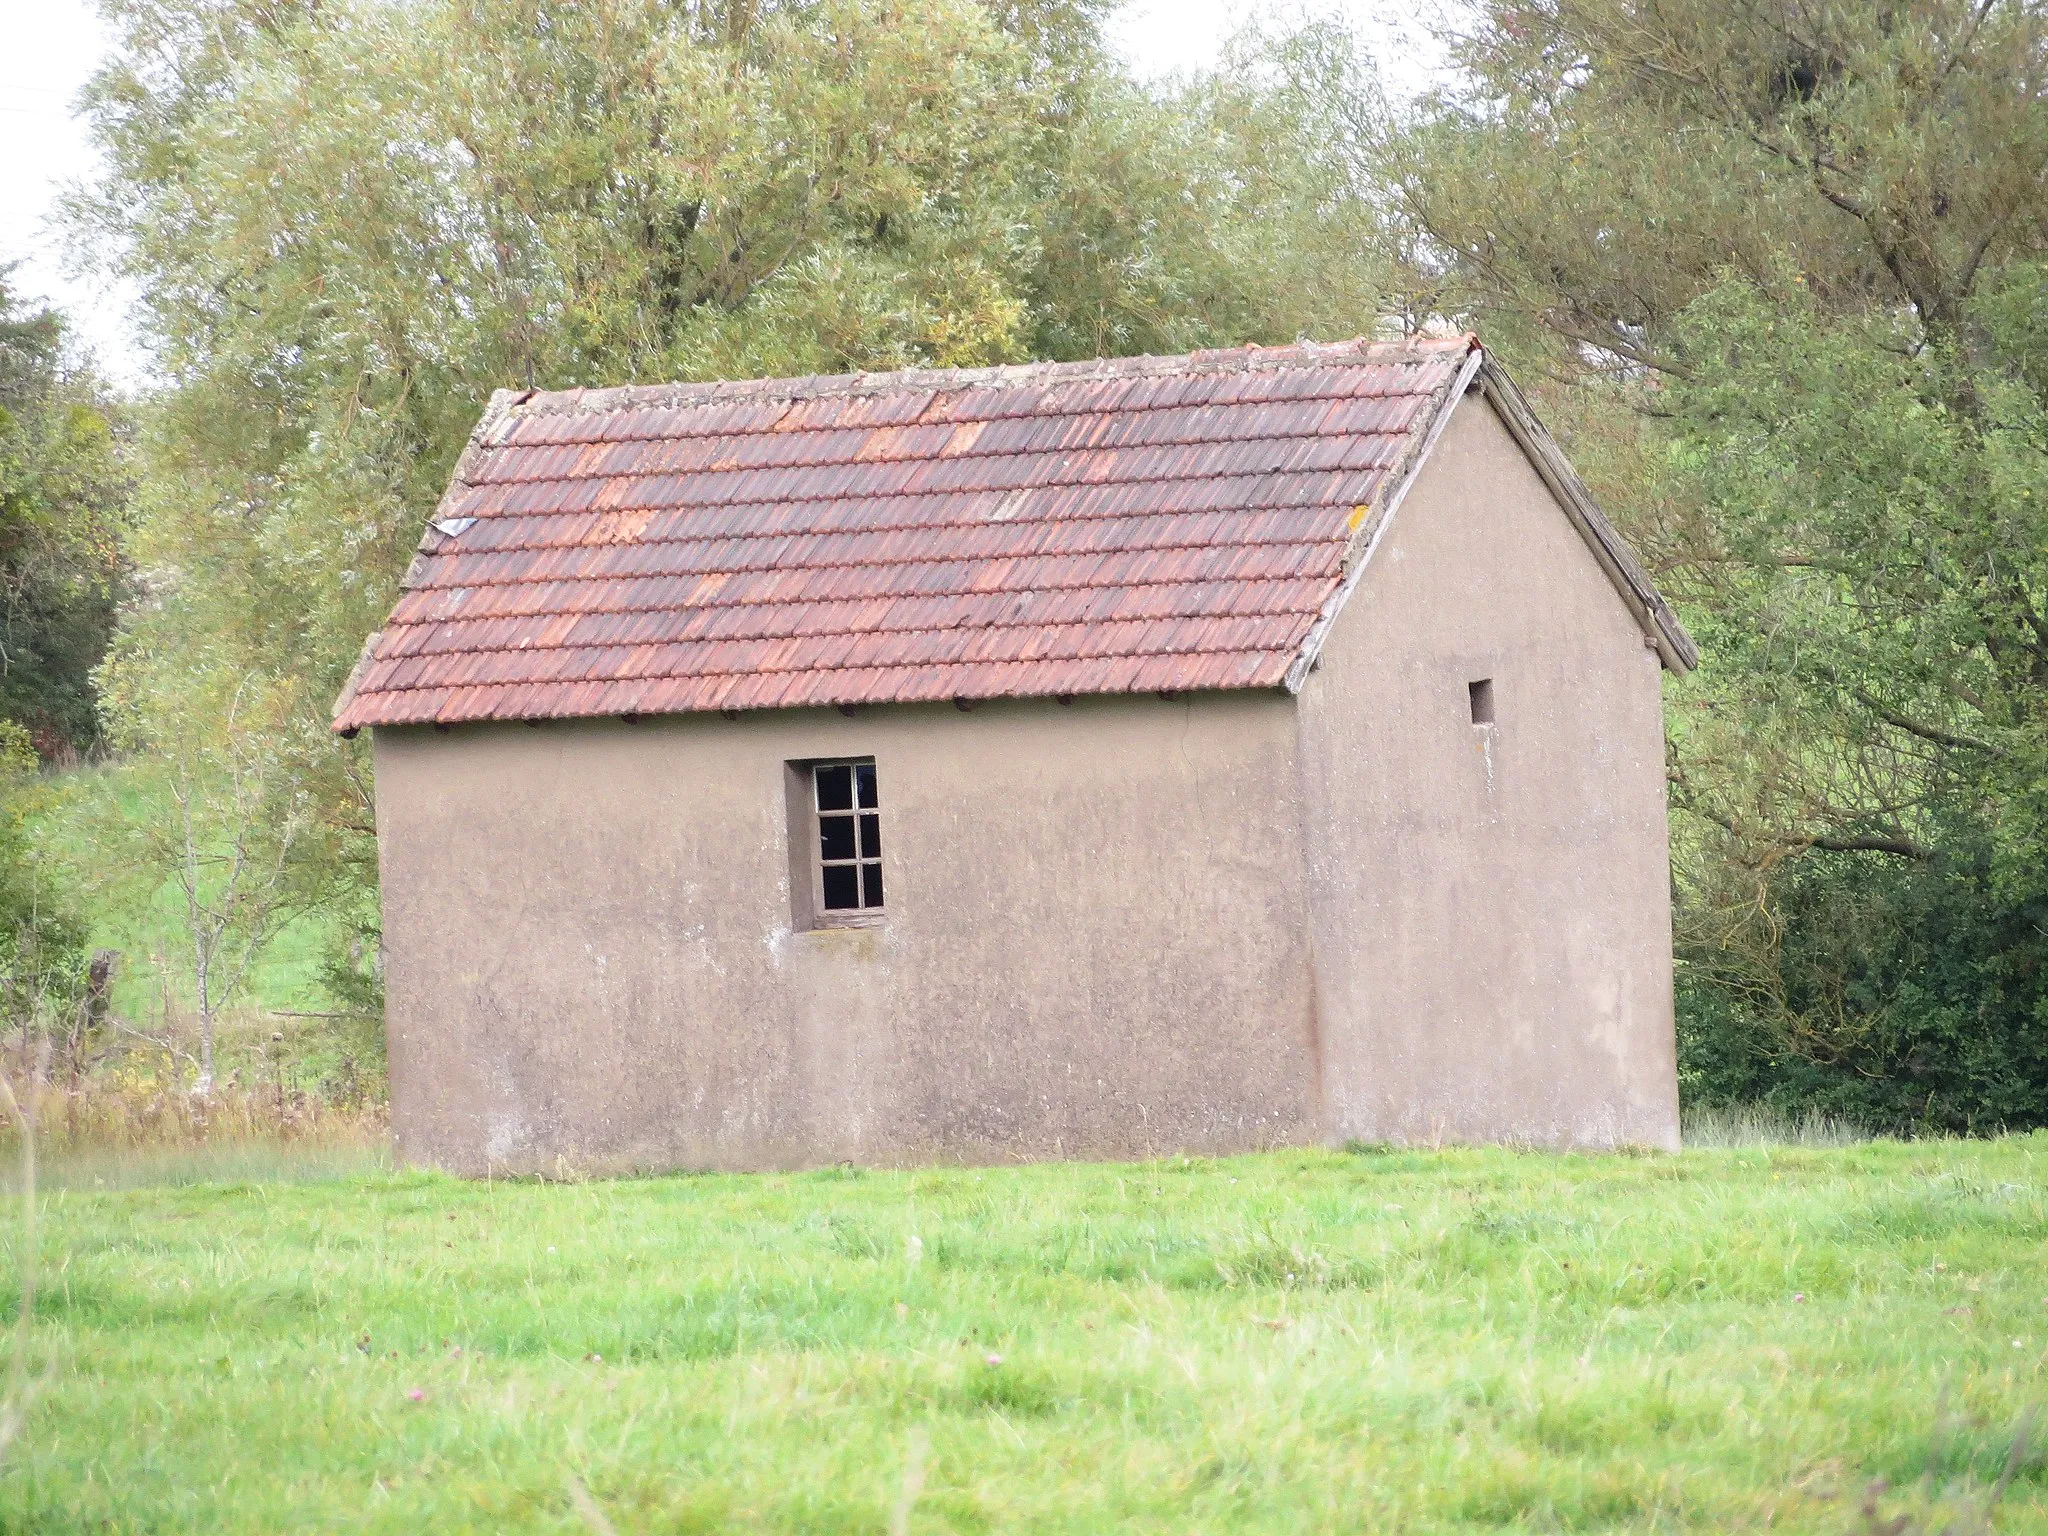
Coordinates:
(1482, 701)
(847, 814)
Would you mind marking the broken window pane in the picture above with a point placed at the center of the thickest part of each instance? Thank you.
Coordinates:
(871, 885)
(835, 787)
(870, 837)
(864, 773)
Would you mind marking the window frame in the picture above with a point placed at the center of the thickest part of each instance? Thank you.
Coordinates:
(807, 860)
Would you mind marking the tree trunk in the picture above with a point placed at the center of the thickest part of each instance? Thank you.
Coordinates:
(99, 986)
(205, 1084)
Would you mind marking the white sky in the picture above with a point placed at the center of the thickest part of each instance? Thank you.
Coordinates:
(55, 44)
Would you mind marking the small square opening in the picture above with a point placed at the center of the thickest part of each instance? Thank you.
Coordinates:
(1482, 700)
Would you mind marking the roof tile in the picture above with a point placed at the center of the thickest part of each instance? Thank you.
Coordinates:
(1126, 525)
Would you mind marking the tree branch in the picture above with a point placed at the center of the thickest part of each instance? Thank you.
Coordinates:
(1898, 847)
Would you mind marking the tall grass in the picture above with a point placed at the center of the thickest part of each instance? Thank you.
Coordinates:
(129, 1114)
(120, 1132)
(120, 1109)
(1723, 1126)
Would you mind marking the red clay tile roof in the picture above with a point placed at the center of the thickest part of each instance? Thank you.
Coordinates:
(1107, 527)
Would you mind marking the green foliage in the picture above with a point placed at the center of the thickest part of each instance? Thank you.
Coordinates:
(1906, 996)
(224, 839)
(1597, 164)
(62, 495)
(62, 506)
(1884, 708)
(87, 828)
(1880, 510)
(1445, 1342)
(42, 945)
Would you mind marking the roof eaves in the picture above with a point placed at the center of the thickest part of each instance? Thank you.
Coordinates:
(1660, 624)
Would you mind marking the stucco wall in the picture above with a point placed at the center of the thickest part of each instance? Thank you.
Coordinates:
(1492, 939)
(1095, 943)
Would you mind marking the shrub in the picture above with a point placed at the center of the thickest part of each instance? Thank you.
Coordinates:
(1905, 997)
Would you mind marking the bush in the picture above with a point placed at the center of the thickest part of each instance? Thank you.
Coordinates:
(42, 945)
(1906, 997)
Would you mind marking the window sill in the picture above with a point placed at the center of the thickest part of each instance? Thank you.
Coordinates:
(869, 919)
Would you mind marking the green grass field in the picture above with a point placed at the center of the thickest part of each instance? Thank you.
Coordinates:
(1729, 1340)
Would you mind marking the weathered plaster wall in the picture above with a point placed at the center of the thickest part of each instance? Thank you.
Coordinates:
(1096, 942)
(1492, 939)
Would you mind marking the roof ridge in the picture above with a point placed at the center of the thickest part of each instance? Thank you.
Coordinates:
(1362, 351)
(1078, 412)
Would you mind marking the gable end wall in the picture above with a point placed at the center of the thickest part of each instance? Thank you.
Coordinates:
(1490, 905)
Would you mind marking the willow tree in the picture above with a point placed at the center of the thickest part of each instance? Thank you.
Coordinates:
(350, 220)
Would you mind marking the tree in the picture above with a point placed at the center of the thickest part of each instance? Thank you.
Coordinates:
(62, 498)
(62, 503)
(229, 851)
